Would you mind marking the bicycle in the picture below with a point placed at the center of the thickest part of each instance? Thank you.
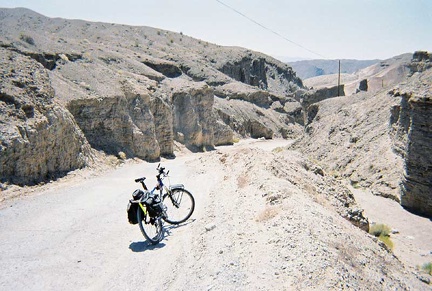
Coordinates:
(173, 204)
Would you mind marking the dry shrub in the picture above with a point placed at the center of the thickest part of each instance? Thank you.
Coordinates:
(267, 214)
(278, 150)
(382, 232)
(387, 241)
(427, 268)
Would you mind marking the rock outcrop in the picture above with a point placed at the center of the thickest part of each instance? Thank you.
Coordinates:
(40, 139)
(413, 128)
(363, 85)
(119, 123)
(416, 189)
(421, 62)
(259, 71)
(193, 117)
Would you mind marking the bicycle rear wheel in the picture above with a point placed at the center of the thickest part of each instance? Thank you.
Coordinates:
(151, 228)
(180, 205)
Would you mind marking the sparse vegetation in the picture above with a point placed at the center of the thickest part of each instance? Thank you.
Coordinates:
(382, 232)
(356, 184)
(267, 214)
(277, 150)
(380, 229)
(387, 241)
(427, 268)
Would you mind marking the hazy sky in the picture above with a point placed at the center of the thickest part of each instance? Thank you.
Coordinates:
(331, 29)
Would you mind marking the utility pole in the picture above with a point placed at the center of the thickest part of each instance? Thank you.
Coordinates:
(339, 80)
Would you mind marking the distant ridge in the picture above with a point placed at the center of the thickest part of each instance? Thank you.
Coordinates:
(311, 68)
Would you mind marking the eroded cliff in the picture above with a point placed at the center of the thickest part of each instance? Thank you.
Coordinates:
(379, 141)
(415, 128)
(39, 138)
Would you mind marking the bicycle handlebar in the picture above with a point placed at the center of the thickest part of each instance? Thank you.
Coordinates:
(161, 171)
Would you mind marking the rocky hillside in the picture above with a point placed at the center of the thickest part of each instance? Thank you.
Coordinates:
(70, 85)
(71, 89)
(379, 140)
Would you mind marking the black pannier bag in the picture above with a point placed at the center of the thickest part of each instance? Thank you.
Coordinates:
(154, 205)
(132, 208)
(137, 194)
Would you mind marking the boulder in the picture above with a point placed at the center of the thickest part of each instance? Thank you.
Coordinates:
(363, 85)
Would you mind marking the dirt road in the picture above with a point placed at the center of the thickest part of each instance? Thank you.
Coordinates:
(250, 230)
(77, 237)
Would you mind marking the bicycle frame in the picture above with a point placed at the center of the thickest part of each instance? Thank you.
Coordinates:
(153, 210)
(144, 209)
(161, 187)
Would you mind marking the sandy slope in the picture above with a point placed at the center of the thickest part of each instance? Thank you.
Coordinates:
(259, 224)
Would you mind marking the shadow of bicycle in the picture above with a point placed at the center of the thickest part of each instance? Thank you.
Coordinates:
(142, 246)
(173, 226)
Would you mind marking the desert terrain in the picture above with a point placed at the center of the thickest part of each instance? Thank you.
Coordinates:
(256, 225)
(289, 175)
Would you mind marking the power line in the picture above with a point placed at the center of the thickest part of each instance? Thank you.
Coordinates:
(268, 29)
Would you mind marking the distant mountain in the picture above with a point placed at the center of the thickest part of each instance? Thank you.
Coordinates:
(287, 59)
(386, 73)
(312, 68)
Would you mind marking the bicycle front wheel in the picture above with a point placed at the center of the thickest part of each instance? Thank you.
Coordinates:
(150, 227)
(180, 205)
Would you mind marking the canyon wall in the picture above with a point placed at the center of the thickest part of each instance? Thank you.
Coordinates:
(71, 87)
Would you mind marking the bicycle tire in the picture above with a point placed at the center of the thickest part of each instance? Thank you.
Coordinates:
(151, 229)
(180, 204)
